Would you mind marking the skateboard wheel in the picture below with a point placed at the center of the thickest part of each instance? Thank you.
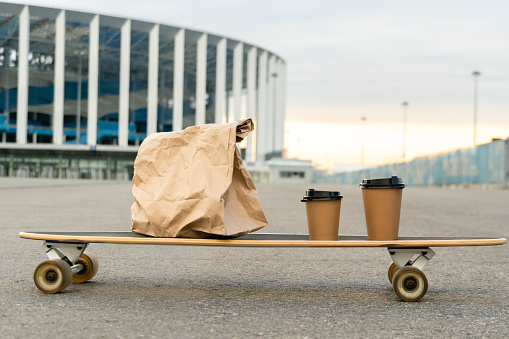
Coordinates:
(409, 283)
(90, 267)
(392, 270)
(53, 276)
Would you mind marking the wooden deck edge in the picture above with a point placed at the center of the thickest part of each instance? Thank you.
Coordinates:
(265, 243)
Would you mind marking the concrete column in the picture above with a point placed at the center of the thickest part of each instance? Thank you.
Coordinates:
(7, 86)
(123, 95)
(59, 79)
(262, 114)
(238, 67)
(251, 103)
(281, 105)
(220, 108)
(178, 81)
(201, 79)
(23, 48)
(271, 95)
(93, 81)
(153, 79)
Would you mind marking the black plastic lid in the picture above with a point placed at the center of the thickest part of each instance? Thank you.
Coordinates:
(312, 195)
(392, 182)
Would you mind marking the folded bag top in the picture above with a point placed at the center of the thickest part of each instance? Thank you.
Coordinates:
(193, 183)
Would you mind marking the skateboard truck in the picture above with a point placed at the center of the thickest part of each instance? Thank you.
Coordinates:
(67, 263)
(405, 275)
(70, 253)
(415, 257)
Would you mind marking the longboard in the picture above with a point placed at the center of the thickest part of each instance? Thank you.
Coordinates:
(260, 240)
(68, 263)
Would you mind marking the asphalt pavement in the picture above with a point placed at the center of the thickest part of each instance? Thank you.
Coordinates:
(209, 292)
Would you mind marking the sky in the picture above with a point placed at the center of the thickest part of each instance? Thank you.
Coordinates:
(352, 59)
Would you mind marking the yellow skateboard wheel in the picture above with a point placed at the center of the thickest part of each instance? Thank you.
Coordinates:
(53, 276)
(90, 266)
(409, 283)
(392, 270)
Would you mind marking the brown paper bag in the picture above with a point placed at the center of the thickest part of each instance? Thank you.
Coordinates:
(193, 184)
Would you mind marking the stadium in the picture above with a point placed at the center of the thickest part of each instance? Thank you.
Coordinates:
(80, 91)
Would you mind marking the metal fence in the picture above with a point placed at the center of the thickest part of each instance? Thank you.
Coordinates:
(486, 164)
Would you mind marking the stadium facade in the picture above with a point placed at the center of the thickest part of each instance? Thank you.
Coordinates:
(80, 91)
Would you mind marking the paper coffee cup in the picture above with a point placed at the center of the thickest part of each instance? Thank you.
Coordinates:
(323, 210)
(382, 207)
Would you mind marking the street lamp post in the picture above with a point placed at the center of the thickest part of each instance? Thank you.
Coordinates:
(363, 145)
(405, 105)
(476, 75)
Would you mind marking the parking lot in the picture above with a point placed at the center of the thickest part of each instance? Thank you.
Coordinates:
(176, 291)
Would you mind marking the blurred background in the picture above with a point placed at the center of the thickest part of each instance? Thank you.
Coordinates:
(338, 90)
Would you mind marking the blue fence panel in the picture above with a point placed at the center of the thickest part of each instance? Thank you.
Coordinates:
(485, 164)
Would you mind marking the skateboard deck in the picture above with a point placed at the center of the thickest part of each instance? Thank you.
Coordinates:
(260, 240)
(68, 261)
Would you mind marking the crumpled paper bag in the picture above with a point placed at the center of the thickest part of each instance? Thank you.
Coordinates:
(192, 183)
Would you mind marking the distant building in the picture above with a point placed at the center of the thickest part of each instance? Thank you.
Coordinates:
(80, 91)
(279, 170)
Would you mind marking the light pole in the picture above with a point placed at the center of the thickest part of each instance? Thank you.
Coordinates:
(363, 122)
(476, 75)
(405, 105)
(298, 148)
